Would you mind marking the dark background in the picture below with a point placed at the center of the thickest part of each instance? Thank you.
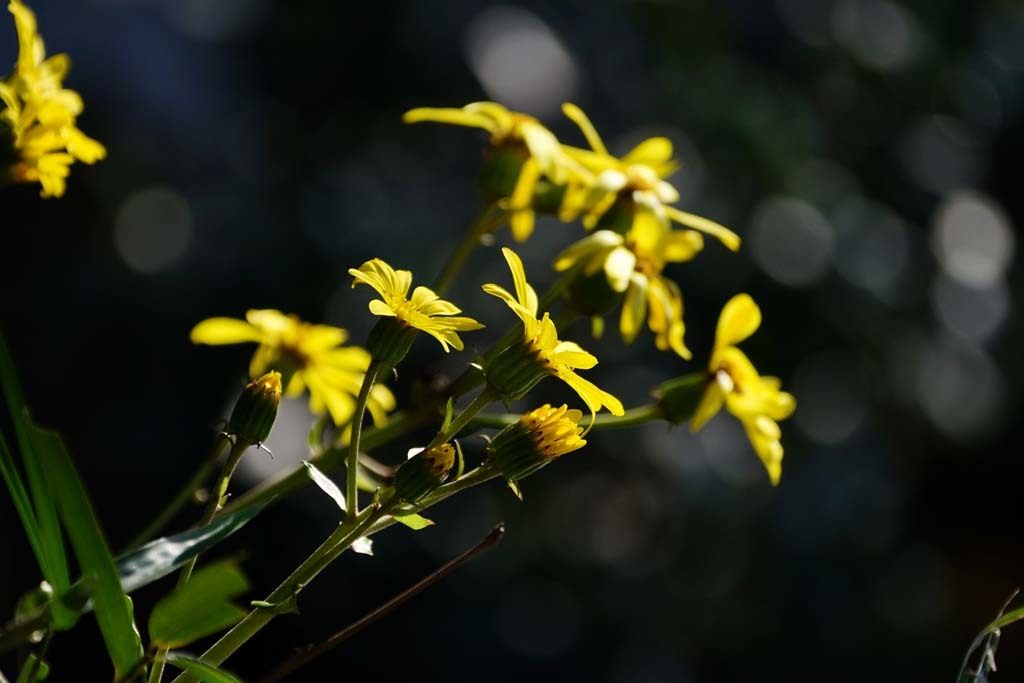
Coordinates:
(867, 152)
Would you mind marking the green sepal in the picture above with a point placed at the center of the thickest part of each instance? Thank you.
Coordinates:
(516, 370)
(591, 295)
(678, 398)
(499, 172)
(514, 487)
(619, 216)
(389, 341)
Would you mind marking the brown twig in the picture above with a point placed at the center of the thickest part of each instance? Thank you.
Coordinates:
(310, 652)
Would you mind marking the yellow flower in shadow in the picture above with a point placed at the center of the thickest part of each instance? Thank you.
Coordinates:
(757, 401)
(638, 179)
(311, 357)
(634, 265)
(40, 112)
(544, 155)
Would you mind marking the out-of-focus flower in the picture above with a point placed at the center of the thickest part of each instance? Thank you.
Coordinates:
(539, 437)
(424, 311)
(519, 367)
(40, 113)
(522, 151)
(627, 188)
(634, 264)
(309, 356)
(757, 401)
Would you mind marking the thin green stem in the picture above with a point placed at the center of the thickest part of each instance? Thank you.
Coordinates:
(483, 399)
(639, 415)
(202, 473)
(328, 551)
(213, 506)
(352, 462)
(483, 224)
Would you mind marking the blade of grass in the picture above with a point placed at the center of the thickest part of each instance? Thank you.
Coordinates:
(21, 502)
(53, 564)
(113, 607)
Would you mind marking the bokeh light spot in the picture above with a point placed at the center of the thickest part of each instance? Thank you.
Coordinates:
(972, 239)
(520, 61)
(831, 394)
(791, 241)
(153, 229)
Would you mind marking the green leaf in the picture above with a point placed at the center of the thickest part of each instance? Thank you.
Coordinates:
(460, 460)
(113, 608)
(363, 546)
(412, 520)
(49, 544)
(205, 672)
(200, 607)
(21, 503)
(289, 605)
(449, 410)
(325, 484)
(159, 558)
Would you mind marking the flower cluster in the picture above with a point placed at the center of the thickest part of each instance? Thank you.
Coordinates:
(39, 113)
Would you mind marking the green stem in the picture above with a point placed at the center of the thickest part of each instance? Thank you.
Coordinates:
(352, 463)
(213, 506)
(483, 224)
(483, 399)
(639, 415)
(206, 468)
(339, 541)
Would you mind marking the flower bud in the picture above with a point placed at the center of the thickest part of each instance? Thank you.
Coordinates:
(424, 472)
(390, 340)
(539, 437)
(256, 409)
(516, 370)
(619, 216)
(591, 294)
(678, 398)
(500, 170)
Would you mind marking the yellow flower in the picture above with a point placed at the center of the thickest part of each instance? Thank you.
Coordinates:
(633, 264)
(757, 401)
(544, 155)
(536, 439)
(311, 355)
(41, 113)
(424, 311)
(637, 178)
(541, 348)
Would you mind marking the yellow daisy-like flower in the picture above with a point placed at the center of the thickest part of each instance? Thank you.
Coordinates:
(638, 179)
(543, 155)
(536, 439)
(540, 353)
(41, 113)
(633, 264)
(757, 401)
(423, 311)
(310, 356)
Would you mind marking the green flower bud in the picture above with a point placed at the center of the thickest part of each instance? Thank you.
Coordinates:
(591, 294)
(516, 370)
(678, 398)
(256, 409)
(500, 170)
(389, 341)
(424, 472)
(539, 437)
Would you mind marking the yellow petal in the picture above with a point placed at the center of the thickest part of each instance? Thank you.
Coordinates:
(217, 331)
(515, 264)
(619, 268)
(740, 318)
(634, 310)
(457, 117)
(572, 354)
(650, 152)
(577, 116)
(682, 245)
(601, 240)
(724, 234)
(318, 338)
(710, 403)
